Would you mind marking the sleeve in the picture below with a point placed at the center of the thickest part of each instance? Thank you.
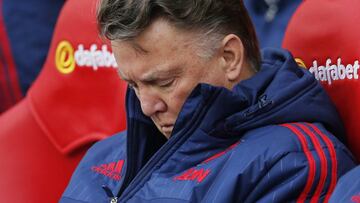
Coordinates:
(302, 177)
(348, 188)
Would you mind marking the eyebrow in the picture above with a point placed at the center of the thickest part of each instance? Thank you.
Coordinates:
(159, 74)
(154, 76)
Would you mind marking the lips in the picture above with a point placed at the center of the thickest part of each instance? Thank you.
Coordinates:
(167, 129)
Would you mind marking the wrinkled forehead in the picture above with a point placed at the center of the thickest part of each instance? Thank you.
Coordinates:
(160, 36)
(146, 66)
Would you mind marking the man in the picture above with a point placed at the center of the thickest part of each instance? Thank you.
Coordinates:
(207, 121)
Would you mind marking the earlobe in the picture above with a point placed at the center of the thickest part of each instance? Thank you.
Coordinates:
(233, 57)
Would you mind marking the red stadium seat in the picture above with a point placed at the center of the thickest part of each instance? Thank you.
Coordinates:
(77, 100)
(324, 37)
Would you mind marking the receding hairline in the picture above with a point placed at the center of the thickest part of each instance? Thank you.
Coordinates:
(203, 42)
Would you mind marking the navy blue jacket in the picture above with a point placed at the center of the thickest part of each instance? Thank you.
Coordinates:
(348, 188)
(264, 141)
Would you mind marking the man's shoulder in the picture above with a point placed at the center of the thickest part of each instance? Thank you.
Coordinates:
(114, 142)
(300, 145)
(105, 151)
(305, 141)
(295, 137)
(267, 143)
(104, 163)
(286, 153)
(348, 188)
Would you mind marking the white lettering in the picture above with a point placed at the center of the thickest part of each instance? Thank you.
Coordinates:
(334, 72)
(314, 70)
(356, 68)
(95, 58)
(341, 70)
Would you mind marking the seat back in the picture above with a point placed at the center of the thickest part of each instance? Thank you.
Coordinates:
(79, 87)
(324, 37)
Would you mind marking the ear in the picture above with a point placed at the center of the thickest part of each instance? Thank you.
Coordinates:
(232, 54)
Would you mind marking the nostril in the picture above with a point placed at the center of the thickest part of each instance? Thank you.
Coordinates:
(160, 106)
(152, 105)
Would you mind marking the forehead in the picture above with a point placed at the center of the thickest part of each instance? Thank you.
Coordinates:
(158, 38)
(158, 46)
(164, 33)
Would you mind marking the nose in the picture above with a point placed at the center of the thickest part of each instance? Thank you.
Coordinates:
(151, 103)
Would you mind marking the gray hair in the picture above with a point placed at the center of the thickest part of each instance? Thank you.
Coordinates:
(212, 19)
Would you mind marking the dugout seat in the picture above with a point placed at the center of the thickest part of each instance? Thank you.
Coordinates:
(77, 100)
(323, 36)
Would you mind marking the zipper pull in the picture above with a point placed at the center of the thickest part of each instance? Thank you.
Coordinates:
(114, 200)
(109, 193)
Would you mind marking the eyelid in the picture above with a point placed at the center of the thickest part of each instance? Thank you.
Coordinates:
(166, 82)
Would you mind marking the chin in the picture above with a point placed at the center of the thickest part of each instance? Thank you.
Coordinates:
(167, 135)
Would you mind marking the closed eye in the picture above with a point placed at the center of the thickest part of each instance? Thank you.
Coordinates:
(166, 83)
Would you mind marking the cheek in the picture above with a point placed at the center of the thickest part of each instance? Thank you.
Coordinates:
(178, 96)
(214, 76)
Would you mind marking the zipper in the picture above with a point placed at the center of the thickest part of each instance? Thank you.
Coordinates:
(109, 193)
(130, 168)
(164, 153)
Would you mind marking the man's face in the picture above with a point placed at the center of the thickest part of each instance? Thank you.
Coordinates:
(163, 67)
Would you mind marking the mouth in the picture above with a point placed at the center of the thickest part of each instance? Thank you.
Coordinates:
(167, 129)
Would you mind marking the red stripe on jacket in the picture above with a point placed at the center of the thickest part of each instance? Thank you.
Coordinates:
(310, 158)
(323, 162)
(333, 158)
